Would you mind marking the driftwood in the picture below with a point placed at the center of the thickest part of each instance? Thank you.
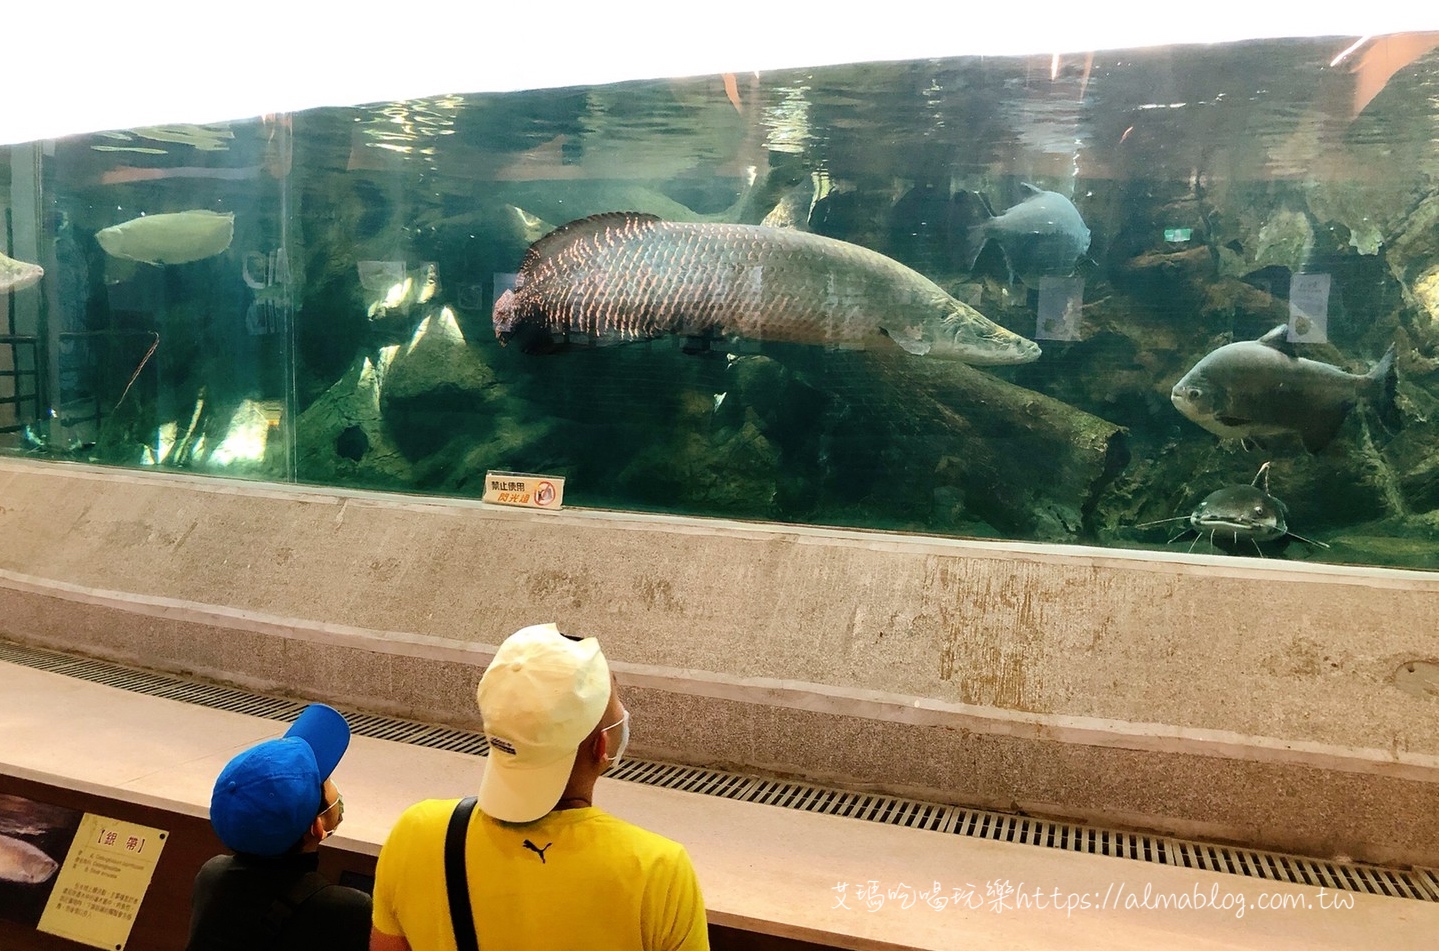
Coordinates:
(1026, 463)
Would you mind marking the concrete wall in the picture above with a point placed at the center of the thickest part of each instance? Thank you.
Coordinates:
(1279, 705)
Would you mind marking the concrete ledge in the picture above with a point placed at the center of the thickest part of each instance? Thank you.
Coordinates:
(1247, 701)
(764, 870)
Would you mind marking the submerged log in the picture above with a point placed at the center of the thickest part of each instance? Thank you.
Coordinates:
(1026, 463)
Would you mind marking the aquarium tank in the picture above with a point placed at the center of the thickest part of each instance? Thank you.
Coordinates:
(1182, 299)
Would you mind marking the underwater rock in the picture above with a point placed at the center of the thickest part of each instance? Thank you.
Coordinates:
(1180, 277)
(1286, 238)
(1254, 226)
(1396, 544)
(796, 206)
(396, 292)
(1413, 258)
(1413, 250)
(436, 370)
(1413, 458)
(341, 438)
(436, 388)
(245, 442)
(352, 443)
(779, 402)
(729, 471)
(1367, 212)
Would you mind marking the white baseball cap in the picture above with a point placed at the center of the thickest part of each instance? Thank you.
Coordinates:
(539, 698)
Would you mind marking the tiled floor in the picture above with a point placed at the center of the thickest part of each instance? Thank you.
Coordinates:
(861, 884)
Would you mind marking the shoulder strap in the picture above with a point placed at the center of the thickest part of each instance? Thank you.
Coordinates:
(456, 882)
(277, 916)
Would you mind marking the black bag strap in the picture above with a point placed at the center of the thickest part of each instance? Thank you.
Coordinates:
(277, 916)
(456, 882)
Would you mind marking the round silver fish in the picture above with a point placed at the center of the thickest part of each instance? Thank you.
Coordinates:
(1257, 388)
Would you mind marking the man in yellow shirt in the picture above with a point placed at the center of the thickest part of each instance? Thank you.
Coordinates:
(546, 869)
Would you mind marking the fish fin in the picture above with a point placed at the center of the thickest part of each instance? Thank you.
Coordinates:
(917, 347)
(1234, 422)
(583, 227)
(969, 216)
(1030, 191)
(975, 240)
(1319, 430)
(1278, 339)
(1382, 380)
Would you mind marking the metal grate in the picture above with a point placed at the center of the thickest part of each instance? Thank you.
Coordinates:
(1419, 883)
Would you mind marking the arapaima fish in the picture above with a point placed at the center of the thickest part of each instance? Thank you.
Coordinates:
(624, 276)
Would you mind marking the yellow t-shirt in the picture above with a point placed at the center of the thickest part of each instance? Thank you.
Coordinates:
(574, 879)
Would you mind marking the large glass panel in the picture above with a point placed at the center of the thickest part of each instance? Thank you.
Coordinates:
(1105, 299)
(162, 326)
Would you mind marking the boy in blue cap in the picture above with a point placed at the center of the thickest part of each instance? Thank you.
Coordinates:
(273, 805)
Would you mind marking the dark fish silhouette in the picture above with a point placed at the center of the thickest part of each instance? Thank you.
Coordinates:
(1042, 236)
(1260, 387)
(625, 276)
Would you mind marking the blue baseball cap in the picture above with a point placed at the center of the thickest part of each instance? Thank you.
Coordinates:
(266, 797)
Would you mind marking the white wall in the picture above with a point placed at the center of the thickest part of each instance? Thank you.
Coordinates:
(77, 67)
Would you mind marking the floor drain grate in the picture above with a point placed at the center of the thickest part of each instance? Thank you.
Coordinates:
(1419, 883)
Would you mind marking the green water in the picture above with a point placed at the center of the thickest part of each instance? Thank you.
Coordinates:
(1207, 177)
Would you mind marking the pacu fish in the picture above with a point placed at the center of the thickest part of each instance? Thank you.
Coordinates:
(18, 275)
(1042, 236)
(174, 238)
(1261, 387)
(625, 276)
(22, 862)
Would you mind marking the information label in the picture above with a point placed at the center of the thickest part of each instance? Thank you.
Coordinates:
(524, 490)
(1061, 302)
(102, 882)
(1309, 308)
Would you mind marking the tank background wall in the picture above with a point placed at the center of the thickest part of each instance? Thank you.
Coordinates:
(1271, 704)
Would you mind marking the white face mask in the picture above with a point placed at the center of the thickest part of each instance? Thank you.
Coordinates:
(624, 728)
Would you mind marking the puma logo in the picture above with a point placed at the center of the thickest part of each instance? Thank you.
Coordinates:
(537, 850)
